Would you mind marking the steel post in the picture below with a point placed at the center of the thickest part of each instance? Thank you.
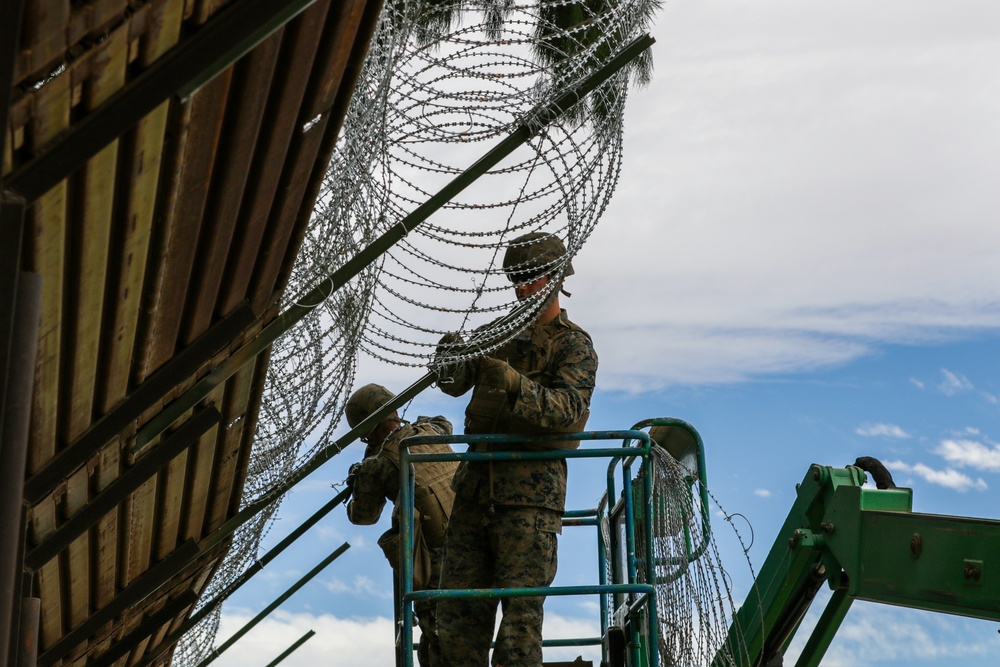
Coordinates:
(21, 293)
(291, 649)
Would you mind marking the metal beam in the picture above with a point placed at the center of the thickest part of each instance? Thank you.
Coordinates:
(16, 409)
(141, 588)
(171, 610)
(120, 489)
(218, 43)
(149, 393)
(291, 649)
(11, 232)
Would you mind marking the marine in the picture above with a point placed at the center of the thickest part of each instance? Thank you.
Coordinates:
(375, 480)
(507, 515)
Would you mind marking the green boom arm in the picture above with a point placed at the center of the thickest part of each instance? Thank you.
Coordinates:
(866, 544)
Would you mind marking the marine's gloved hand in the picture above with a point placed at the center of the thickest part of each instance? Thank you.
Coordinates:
(352, 475)
(499, 373)
(444, 356)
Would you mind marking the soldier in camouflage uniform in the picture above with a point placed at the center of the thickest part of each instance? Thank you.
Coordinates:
(507, 515)
(375, 479)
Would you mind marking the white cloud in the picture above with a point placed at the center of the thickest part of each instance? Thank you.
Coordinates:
(954, 383)
(948, 478)
(970, 454)
(873, 634)
(358, 642)
(360, 586)
(762, 493)
(882, 430)
(917, 383)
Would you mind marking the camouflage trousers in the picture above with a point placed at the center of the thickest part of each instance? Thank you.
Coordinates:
(514, 548)
(428, 650)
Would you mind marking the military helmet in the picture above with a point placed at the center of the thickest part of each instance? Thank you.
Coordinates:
(365, 401)
(533, 255)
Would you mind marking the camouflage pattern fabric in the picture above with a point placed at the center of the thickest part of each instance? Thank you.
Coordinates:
(377, 480)
(515, 548)
(558, 367)
(504, 533)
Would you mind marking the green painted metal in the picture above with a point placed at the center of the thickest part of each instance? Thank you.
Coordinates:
(866, 544)
(826, 628)
(291, 649)
(638, 596)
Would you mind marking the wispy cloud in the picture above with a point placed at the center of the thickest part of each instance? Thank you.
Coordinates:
(948, 478)
(917, 383)
(351, 641)
(763, 493)
(954, 383)
(360, 586)
(881, 430)
(873, 634)
(971, 454)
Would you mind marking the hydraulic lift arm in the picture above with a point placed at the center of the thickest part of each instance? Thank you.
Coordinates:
(866, 544)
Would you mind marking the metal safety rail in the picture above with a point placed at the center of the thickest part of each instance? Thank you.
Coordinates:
(641, 596)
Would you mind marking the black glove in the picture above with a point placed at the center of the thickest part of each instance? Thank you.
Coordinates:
(352, 474)
(444, 356)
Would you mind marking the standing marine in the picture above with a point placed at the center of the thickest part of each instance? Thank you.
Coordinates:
(507, 514)
(375, 479)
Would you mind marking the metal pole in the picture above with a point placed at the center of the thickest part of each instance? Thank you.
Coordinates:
(291, 649)
(274, 605)
(16, 380)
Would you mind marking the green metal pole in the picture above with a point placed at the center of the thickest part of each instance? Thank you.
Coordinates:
(819, 641)
(274, 605)
(291, 649)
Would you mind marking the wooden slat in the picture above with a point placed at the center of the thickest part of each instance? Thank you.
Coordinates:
(201, 472)
(137, 533)
(183, 216)
(174, 478)
(343, 22)
(43, 524)
(48, 248)
(142, 174)
(249, 93)
(44, 35)
(94, 17)
(107, 531)
(299, 168)
(206, 8)
(91, 233)
(287, 92)
(78, 553)
(234, 413)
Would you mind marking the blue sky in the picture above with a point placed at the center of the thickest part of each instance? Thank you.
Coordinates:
(800, 260)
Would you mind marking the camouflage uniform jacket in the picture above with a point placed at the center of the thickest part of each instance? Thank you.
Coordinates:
(377, 480)
(558, 367)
